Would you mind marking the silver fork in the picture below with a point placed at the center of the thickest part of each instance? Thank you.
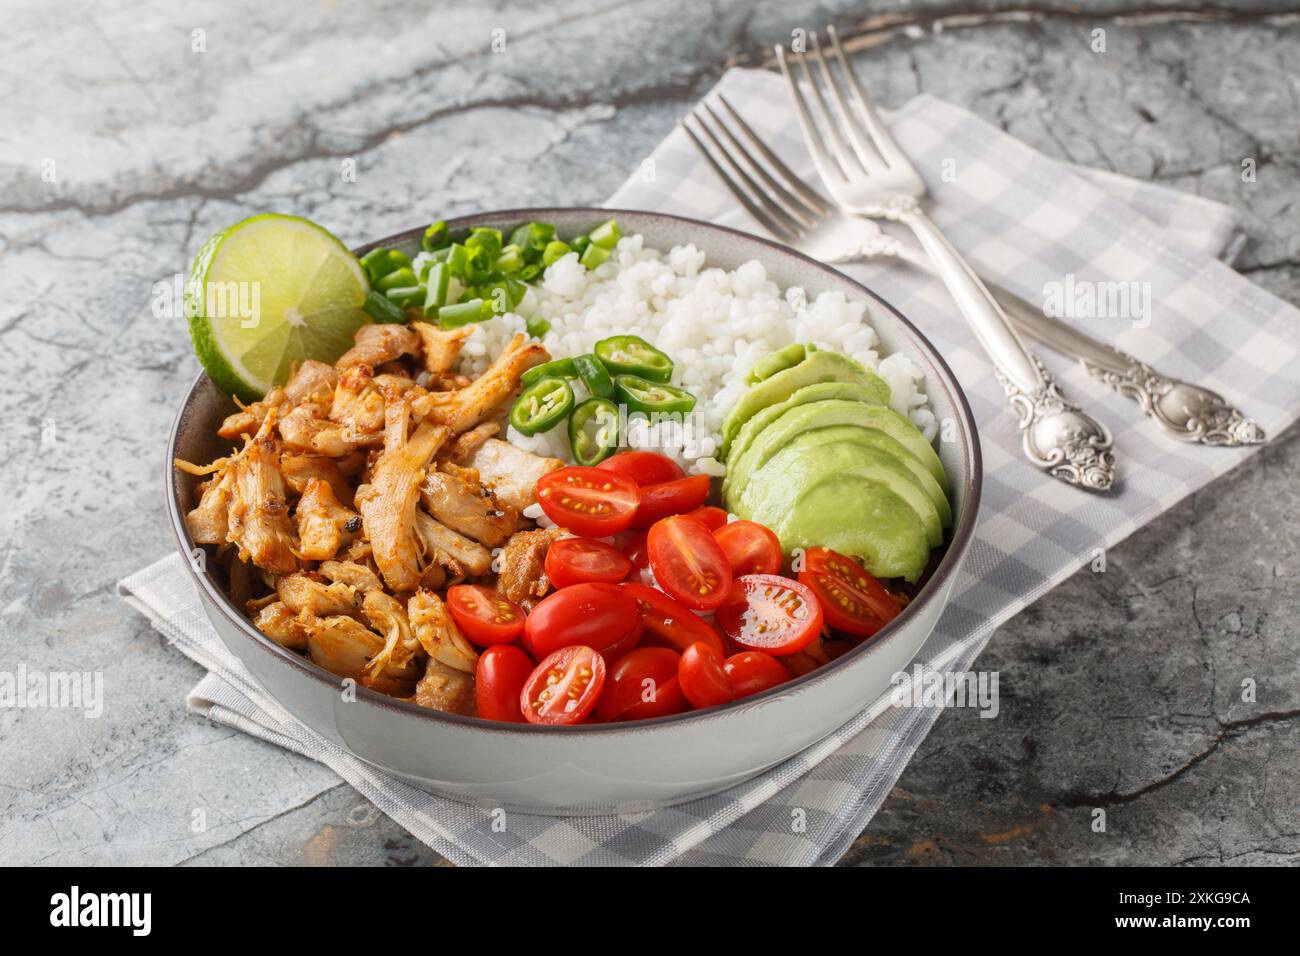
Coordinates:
(867, 174)
(798, 215)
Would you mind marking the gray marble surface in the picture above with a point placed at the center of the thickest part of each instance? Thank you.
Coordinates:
(1119, 690)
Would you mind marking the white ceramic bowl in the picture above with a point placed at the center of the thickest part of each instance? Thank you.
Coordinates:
(604, 767)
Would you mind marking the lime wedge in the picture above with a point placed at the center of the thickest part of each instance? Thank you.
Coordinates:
(267, 293)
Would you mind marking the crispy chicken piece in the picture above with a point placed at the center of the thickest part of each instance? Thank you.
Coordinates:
(449, 549)
(300, 593)
(303, 431)
(354, 575)
(378, 343)
(387, 615)
(207, 523)
(523, 562)
(471, 441)
(312, 381)
(258, 518)
(447, 689)
(388, 503)
(358, 404)
(441, 347)
(510, 473)
(248, 420)
(465, 507)
(299, 470)
(322, 522)
(281, 625)
(437, 632)
(461, 410)
(344, 646)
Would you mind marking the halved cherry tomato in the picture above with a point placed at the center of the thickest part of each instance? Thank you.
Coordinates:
(670, 498)
(499, 680)
(711, 516)
(750, 548)
(642, 683)
(588, 501)
(564, 688)
(643, 467)
(688, 563)
(485, 615)
(763, 612)
(596, 615)
(854, 601)
(751, 672)
(669, 622)
(702, 676)
(635, 549)
(571, 561)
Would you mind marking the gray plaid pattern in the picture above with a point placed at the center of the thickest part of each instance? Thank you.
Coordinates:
(1209, 324)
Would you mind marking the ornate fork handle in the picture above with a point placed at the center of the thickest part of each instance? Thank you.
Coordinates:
(1055, 434)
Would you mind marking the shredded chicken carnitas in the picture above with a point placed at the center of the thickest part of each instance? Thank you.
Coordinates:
(361, 492)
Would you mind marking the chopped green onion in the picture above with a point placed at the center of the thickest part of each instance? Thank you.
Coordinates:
(463, 313)
(558, 368)
(486, 239)
(606, 235)
(439, 281)
(542, 406)
(579, 243)
(380, 262)
(554, 251)
(380, 309)
(406, 295)
(530, 272)
(593, 256)
(537, 326)
(510, 261)
(396, 279)
(593, 431)
(435, 237)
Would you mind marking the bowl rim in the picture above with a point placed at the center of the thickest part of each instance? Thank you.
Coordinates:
(962, 533)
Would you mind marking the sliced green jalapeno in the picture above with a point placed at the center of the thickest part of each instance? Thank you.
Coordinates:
(640, 395)
(633, 355)
(593, 431)
(541, 406)
(560, 368)
(594, 375)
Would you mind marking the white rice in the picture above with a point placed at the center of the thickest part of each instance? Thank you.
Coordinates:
(714, 324)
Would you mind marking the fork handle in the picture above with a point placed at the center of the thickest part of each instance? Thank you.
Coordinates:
(990, 324)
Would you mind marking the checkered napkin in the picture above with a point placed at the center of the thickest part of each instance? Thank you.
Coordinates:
(1024, 220)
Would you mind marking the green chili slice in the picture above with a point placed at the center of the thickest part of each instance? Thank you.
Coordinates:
(559, 368)
(594, 375)
(541, 406)
(593, 431)
(641, 395)
(633, 355)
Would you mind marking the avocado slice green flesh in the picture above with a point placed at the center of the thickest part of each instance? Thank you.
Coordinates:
(848, 391)
(860, 518)
(778, 361)
(824, 414)
(871, 438)
(817, 366)
(806, 461)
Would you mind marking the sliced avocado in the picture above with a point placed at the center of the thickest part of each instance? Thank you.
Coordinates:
(824, 414)
(817, 366)
(848, 391)
(778, 361)
(804, 463)
(878, 440)
(860, 518)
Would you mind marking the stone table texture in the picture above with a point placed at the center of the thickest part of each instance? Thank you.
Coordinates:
(131, 131)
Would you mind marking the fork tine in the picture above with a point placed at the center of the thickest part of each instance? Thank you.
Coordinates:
(796, 224)
(848, 160)
(867, 153)
(811, 197)
(772, 226)
(881, 137)
(800, 211)
(827, 167)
